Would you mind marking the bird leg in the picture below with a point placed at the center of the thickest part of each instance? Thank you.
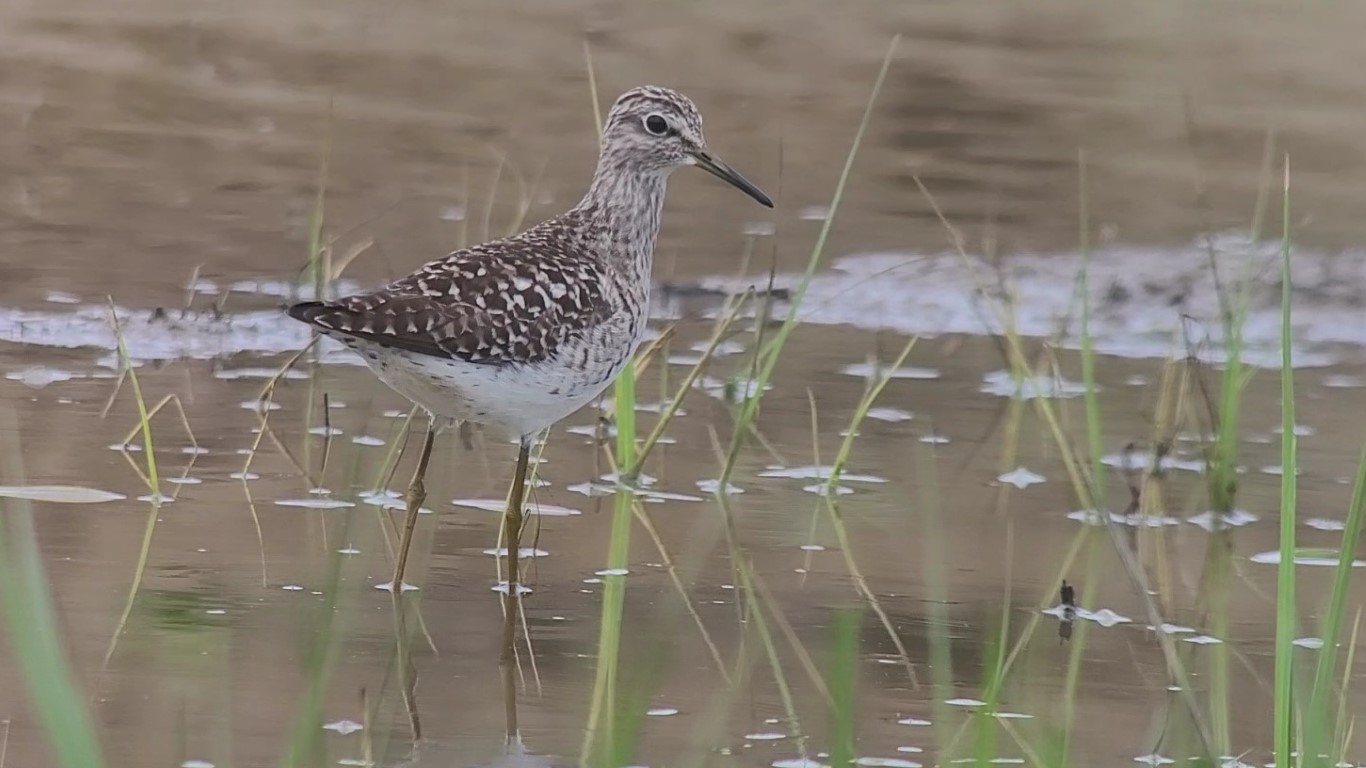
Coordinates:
(512, 539)
(417, 494)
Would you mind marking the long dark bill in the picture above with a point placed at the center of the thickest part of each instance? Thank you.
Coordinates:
(731, 176)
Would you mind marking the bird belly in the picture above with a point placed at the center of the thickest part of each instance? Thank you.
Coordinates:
(514, 399)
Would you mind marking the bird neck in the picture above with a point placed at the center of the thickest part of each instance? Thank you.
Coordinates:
(626, 202)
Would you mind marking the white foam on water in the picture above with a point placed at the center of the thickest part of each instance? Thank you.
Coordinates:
(1146, 300)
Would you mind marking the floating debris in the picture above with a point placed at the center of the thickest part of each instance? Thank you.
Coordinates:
(817, 472)
(591, 489)
(1007, 384)
(502, 587)
(823, 489)
(344, 726)
(1211, 522)
(388, 586)
(613, 572)
(1104, 617)
(1312, 643)
(1326, 558)
(883, 413)
(59, 494)
(886, 762)
(316, 503)
(1343, 381)
(1136, 461)
(1300, 430)
(368, 440)
(1020, 477)
(500, 505)
(667, 496)
(733, 390)
(713, 485)
(873, 370)
(1135, 520)
(1326, 524)
(934, 439)
(661, 711)
(766, 736)
(522, 552)
(39, 376)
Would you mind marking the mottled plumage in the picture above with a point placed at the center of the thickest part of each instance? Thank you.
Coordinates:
(560, 306)
(516, 334)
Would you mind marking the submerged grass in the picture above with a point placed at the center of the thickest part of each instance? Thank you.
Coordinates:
(35, 637)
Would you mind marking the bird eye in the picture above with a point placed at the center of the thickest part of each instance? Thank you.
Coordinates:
(656, 124)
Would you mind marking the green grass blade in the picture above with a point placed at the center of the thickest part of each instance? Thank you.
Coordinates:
(843, 686)
(1285, 578)
(1316, 718)
(34, 640)
(769, 355)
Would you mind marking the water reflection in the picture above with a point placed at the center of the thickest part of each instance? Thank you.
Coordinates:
(150, 151)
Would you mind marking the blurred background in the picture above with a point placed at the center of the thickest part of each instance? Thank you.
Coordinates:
(188, 161)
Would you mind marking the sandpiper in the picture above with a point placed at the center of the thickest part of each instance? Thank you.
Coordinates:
(516, 334)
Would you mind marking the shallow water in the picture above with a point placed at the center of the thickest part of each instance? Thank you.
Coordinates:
(159, 159)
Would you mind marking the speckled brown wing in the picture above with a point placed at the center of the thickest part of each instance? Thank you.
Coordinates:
(495, 304)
